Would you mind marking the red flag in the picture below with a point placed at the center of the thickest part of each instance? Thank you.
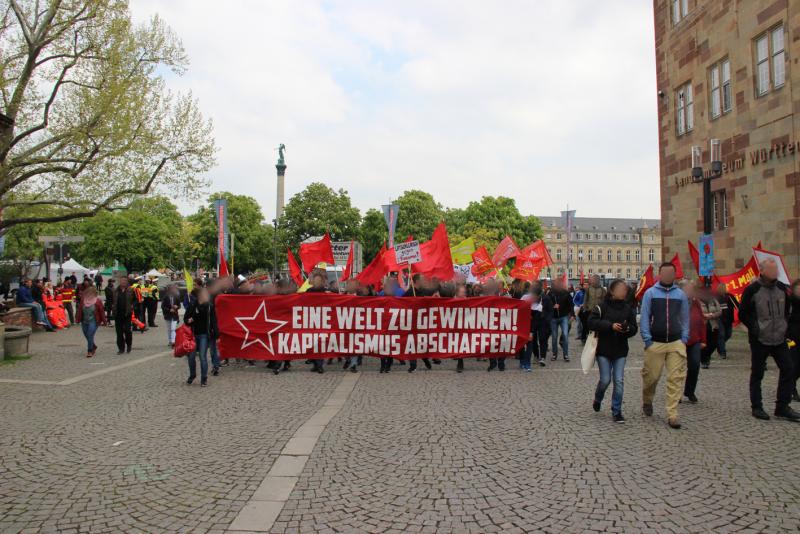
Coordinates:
(313, 253)
(565, 279)
(437, 262)
(676, 261)
(538, 251)
(506, 250)
(391, 260)
(348, 268)
(695, 255)
(374, 272)
(294, 268)
(581, 277)
(223, 266)
(526, 269)
(481, 262)
(647, 281)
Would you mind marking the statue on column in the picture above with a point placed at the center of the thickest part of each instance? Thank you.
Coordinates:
(281, 149)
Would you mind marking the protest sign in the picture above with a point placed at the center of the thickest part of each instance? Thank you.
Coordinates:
(306, 325)
(407, 253)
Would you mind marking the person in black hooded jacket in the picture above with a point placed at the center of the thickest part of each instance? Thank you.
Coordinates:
(201, 318)
(613, 321)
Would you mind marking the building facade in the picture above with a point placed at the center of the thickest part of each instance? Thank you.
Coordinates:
(727, 69)
(611, 248)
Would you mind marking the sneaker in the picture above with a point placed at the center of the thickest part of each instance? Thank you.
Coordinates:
(320, 370)
(428, 365)
(692, 398)
(353, 369)
(704, 366)
(723, 356)
(618, 418)
(215, 371)
(346, 365)
(203, 383)
(647, 409)
(788, 414)
(459, 370)
(542, 363)
(120, 352)
(528, 369)
(554, 357)
(759, 413)
(596, 406)
(190, 380)
(674, 423)
(276, 370)
(566, 359)
(129, 349)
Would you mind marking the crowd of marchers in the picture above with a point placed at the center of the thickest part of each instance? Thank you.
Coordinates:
(682, 323)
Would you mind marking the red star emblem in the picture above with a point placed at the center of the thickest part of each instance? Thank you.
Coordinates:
(259, 328)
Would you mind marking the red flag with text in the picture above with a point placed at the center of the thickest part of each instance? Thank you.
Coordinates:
(506, 250)
(322, 325)
(481, 262)
(317, 252)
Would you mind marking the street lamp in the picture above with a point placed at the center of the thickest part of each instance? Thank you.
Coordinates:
(698, 175)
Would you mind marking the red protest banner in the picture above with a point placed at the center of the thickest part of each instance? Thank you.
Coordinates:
(299, 326)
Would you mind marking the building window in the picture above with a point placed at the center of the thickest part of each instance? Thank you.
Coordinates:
(558, 236)
(591, 255)
(619, 255)
(720, 83)
(680, 8)
(558, 254)
(597, 236)
(651, 254)
(770, 61)
(590, 271)
(580, 254)
(627, 255)
(637, 255)
(638, 274)
(685, 109)
(610, 255)
(628, 274)
(720, 210)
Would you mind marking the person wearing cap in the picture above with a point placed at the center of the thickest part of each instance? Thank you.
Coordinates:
(151, 299)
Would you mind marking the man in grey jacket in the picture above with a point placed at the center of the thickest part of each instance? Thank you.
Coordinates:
(765, 311)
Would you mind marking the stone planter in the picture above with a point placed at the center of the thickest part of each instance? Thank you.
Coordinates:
(16, 341)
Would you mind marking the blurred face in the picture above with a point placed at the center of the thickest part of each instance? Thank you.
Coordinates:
(595, 280)
(461, 292)
(667, 275)
(123, 282)
(620, 291)
(722, 289)
(318, 281)
(769, 270)
(690, 290)
(27, 283)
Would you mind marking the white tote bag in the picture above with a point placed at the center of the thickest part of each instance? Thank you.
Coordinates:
(589, 350)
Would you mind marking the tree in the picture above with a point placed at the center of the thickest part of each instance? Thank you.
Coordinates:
(499, 217)
(253, 239)
(94, 123)
(140, 238)
(419, 215)
(318, 209)
(373, 233)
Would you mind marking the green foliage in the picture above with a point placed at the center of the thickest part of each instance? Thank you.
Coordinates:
(139, 238)
(491, 219)
(95, 125)
(373, 233)
(419, 215)
(253, 247)
(318, 209)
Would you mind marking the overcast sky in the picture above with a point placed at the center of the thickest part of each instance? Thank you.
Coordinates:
(549, 102)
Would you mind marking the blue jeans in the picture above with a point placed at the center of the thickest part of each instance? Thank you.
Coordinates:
(562, 322)
(38, 314)
(89, 330)
(608, 367)
(202, 348)
(525, 355)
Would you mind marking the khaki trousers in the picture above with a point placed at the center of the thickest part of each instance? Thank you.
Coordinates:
(673, 356)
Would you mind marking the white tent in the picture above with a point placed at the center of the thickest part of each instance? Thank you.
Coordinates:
(70, 266)
(152, 273)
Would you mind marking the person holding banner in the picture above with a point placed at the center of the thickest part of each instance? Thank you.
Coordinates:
(614, 321)
(492, 289)
(765, 311)
(317, 286)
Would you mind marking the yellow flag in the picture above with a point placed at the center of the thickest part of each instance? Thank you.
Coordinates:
(304, 287)
(462, 253)
(189, 281)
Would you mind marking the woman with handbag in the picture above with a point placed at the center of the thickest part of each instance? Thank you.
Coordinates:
(613, 322)
(199, 316)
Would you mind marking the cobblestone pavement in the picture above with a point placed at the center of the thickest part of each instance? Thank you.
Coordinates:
(136, 450)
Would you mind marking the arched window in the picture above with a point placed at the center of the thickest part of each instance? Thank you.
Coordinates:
(627, 255)
(558, 254)
(580, 254)
(610, 255)
(651, 254)
(619, 255)
(628, 274)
